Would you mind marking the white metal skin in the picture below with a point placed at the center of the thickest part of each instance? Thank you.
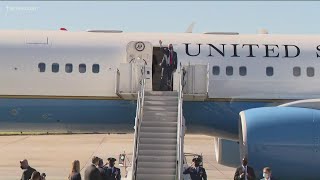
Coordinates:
(22, 51)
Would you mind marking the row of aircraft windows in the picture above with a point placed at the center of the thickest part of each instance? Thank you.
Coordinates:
(229, 70)
(269, 71)
(55, 67)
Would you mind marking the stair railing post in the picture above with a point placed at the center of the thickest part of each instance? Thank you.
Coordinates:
(180, 134)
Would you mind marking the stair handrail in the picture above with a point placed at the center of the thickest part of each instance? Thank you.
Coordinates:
(138, 120)
(180, 128)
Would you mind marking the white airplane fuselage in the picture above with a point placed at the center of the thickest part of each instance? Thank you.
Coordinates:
(245, 71)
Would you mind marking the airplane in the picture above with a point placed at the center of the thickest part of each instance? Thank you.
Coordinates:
(87, 81)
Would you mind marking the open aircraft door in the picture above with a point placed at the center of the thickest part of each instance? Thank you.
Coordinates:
(138, 65)
(196, 82)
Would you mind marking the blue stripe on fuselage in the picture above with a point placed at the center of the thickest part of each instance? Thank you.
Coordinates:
(201, 117)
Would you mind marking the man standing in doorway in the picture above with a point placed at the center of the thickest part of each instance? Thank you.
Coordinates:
(169, 65)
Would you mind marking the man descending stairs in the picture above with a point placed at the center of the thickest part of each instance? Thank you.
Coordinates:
(157, 148)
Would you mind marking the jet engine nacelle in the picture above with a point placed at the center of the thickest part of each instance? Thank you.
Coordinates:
(287, 139)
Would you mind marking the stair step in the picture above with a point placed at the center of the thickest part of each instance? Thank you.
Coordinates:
(161, 108)
(143, 158)
(157, 176)
(159, 123)
(162, 113)
(161, 93)
(156, 165)
(168, 141)
(157, 153)
(158, 129)
(158, 135)
(161, 98)
(161, 103)
(166, 171)
(157, 148)
(151, 118)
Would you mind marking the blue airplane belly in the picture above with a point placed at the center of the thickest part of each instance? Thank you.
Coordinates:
(112, 115)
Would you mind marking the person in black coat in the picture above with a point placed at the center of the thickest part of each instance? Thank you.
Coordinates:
(169, 65)
(112, 172)
(196, 171)
(26, 175)
(244, 172)
(101, 170)
(43, 176)
(75, 171)
(92, 172)
(35, 176)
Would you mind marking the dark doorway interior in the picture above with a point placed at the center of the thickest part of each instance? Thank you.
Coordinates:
(156, 68)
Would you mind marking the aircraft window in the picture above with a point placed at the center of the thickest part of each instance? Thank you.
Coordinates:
(229, 70)
(82, 68)
(55, 67)
(269, 71)
(95, 68)
(310, 71)
(296, 71)
(215, 70)
(42, 67)
(69, 68)
(243, 71)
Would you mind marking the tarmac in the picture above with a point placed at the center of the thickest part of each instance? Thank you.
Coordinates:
(53, 154)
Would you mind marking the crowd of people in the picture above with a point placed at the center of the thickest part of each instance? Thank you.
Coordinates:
(243, 172)
(97, 170)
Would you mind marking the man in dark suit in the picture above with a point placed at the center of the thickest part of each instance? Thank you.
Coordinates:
(26, 175)
(101, 170)
(92, 172)
(244, 172)
(196, 172)
(169, 65)
(112, 172)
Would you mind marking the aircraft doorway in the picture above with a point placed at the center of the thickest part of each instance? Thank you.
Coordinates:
(156, 68)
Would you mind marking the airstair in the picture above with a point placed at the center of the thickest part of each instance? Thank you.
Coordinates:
(159, 124)
(159, 134)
